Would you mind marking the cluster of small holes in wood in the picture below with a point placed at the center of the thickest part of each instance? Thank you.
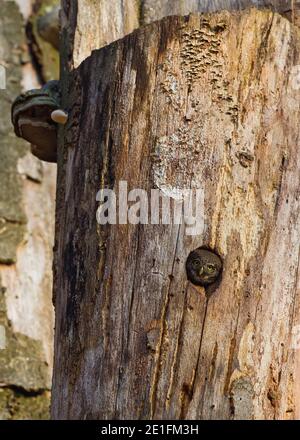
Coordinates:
(202, 57)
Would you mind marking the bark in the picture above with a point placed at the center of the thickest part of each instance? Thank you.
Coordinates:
(210, 102)
(27, 193)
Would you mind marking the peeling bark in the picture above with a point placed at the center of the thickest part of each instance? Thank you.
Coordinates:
(208, 101)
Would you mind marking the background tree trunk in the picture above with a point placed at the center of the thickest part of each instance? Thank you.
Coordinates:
(27, 200)
(213, 102)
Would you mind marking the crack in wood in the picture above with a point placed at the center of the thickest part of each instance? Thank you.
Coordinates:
(156, 376)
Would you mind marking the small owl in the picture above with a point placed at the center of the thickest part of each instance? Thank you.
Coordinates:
(203, 267)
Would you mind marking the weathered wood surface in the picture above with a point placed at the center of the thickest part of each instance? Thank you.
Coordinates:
(212, 101)
(153, 9)
(88, 25)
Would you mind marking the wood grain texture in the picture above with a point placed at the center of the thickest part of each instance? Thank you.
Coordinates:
(209, 101)
(153, 9)
(88, 25)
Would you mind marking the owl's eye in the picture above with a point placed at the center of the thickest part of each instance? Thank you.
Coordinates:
(210, 268)
(196, 264)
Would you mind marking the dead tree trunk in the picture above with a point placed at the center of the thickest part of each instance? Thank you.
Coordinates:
(210, 102)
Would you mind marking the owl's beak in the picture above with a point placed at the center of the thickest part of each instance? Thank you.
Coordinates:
(201, 271)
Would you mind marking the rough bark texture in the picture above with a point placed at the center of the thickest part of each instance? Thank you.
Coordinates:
(27, 191)
(208, 101)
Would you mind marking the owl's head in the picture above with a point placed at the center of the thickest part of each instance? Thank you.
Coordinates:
(203, 267)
